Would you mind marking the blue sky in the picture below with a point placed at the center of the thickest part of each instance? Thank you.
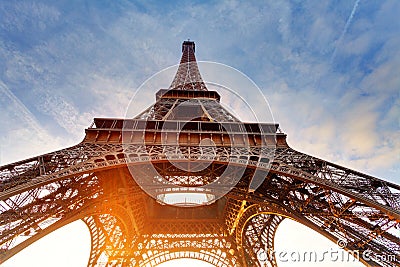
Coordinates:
(329, 69)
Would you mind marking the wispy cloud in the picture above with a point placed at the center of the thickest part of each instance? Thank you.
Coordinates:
(22, 111)
(346, 27)
(21, 134)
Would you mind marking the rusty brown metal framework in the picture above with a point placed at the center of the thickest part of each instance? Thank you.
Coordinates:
(93, 181)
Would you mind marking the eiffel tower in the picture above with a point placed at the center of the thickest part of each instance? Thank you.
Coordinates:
(130, 181)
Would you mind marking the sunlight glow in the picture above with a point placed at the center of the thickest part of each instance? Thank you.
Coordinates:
(186, 199)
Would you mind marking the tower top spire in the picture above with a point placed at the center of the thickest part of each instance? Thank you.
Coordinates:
(188, 75)
(188, 45)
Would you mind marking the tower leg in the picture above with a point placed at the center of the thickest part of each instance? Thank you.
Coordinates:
(258, 240)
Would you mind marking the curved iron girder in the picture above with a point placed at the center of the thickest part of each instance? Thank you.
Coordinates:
(258, 239)
(153, 249)
(47, 208)
(42, 210)
(109, 240)
(370, 190)
(156, 249)
(255, 232)
(330, 196)
(348, 229)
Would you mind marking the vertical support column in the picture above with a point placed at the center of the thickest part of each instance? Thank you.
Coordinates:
(109, 243)
(258, 240)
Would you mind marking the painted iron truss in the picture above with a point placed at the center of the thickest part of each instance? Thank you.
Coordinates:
(191, 141)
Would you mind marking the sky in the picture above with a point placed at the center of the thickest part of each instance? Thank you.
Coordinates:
(329, 70)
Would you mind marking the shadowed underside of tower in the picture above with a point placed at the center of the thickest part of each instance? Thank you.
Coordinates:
(131, 180)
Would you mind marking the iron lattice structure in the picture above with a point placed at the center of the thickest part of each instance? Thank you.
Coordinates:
(93, 181)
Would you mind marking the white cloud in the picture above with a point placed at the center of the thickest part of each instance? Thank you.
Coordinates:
(18, 16)
(22, 136)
